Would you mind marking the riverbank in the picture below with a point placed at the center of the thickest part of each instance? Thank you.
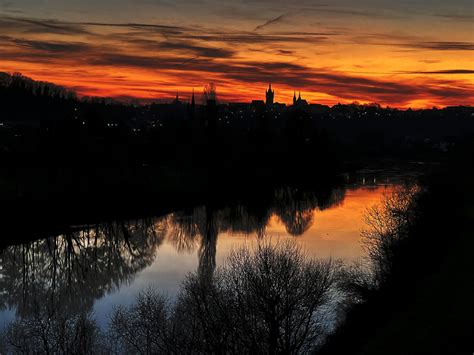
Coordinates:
(425, 307)
(151, 192)
(157, 191)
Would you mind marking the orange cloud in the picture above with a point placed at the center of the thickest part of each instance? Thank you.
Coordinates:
(153, 61)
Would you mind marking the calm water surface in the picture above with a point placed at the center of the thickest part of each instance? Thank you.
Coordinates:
(104, 266)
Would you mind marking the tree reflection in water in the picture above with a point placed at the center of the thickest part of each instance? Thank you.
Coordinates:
(201, 227)
(67, 273)
(64, 275)
(295, 207)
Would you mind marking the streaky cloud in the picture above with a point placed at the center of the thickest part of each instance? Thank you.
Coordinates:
(35, 26)
(271, 22)
(444, 46)
(52, 46)
(444, 71)
(457, 17)
(184, 46)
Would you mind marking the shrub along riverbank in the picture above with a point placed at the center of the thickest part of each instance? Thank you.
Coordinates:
(419, 299)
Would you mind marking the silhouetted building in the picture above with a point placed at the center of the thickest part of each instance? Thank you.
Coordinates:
(176, 100)
(299, 102)
(319, 109)
(258, 103)
(270, 95)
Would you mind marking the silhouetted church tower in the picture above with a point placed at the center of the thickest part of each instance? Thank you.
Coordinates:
(270, 94)
(192, 107)
(294, 98)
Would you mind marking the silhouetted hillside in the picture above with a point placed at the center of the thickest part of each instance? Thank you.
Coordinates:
(59, 152)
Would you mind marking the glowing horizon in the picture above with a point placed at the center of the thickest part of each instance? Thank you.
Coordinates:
(399, 55)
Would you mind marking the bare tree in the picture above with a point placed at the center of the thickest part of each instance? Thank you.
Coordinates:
(387, 226)
(268, 300)
(141, 328)
(52, 333)
(209, 92)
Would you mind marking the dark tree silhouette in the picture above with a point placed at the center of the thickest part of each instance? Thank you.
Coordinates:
(265, 301)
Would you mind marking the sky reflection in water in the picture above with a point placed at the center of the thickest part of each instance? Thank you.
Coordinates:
(335, 232)
(109, 265)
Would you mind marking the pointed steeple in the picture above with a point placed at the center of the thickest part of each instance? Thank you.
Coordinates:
(270, 95)
(299, 95)
(294, 97)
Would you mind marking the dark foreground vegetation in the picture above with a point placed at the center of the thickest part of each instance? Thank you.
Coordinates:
(418, 299)
(270, 300)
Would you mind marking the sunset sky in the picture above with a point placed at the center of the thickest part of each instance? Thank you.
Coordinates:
(406, 53)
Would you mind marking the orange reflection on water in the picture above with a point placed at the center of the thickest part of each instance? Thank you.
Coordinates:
(335, 232)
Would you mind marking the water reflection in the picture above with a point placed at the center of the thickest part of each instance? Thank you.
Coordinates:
(67, 274)
(294, 207)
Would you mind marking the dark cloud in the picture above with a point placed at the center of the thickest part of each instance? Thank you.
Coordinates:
(271, 22)
(410, 42)
(257, 71)
(445, 71)
(443, 46)
(170, 30)
(201, 51)
(52, 47)
(429, 61)
(186, 47)
(308, 34)
(176, 36)
(125, 60)
(255, 38)
(35, 26)
(350, 12)
(285, 52)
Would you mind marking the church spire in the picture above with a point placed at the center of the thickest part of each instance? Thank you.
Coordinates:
(270, 95)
